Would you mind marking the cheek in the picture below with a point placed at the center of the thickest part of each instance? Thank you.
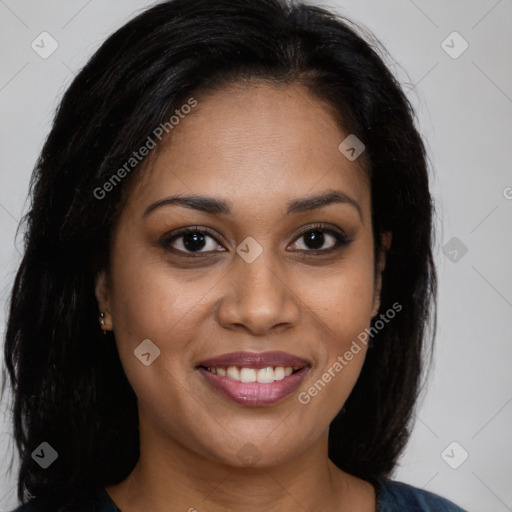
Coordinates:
(150, 303)
(343, 303)
(150, 300)
(341, 308)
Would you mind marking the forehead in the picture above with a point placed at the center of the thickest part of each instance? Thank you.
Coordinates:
(254, 144)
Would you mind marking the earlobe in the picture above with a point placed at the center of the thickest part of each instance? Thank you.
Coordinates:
(376, 296)
(386, 238)
(101, 290)
(386, 244)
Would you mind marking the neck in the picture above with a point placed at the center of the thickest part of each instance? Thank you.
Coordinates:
(177, 479)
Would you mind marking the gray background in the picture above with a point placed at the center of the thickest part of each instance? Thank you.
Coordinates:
(465, 112)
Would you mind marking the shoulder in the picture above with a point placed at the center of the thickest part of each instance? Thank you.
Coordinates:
(95, 501)
(398, 496)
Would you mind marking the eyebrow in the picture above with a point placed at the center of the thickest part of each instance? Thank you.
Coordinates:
(216, 206)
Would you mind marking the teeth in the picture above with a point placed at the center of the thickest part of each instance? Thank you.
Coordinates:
(279, 373)
(233, 373)
(262, 375)
(266, 375)
(247, 375)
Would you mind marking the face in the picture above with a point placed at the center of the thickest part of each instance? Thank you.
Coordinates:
(263, 285)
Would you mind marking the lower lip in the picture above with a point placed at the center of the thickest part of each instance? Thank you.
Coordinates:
(255, 394)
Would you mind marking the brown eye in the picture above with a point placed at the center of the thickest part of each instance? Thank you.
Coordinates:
(192, 241)
(321, 239)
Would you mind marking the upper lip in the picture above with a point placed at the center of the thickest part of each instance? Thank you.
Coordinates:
(255, 360)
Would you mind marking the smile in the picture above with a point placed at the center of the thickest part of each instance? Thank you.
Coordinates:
(262, 375)
(254, 379)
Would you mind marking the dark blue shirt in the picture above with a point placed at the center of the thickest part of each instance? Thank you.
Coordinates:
(392, 496)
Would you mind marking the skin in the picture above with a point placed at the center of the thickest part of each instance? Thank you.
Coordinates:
(256, 146)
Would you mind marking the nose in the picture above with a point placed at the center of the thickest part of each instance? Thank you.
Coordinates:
(258, 298)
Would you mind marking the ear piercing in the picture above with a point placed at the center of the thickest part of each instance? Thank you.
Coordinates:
(104, 328)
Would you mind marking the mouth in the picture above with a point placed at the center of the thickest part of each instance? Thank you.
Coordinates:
(254, 379)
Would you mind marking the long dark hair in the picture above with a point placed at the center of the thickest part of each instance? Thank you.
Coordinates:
(68, 384)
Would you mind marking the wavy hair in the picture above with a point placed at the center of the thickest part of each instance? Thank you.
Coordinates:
(68, 384)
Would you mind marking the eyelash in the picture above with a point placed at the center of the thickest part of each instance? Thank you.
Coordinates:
(341, 240)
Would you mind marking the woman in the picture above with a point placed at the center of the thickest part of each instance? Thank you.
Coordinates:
(228, 272)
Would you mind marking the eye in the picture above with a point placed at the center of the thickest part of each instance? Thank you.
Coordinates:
(201, 240)
(317, 237)
(192, 240)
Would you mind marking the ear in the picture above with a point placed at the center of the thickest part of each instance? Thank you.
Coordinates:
(381, 265)
(101, 289)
